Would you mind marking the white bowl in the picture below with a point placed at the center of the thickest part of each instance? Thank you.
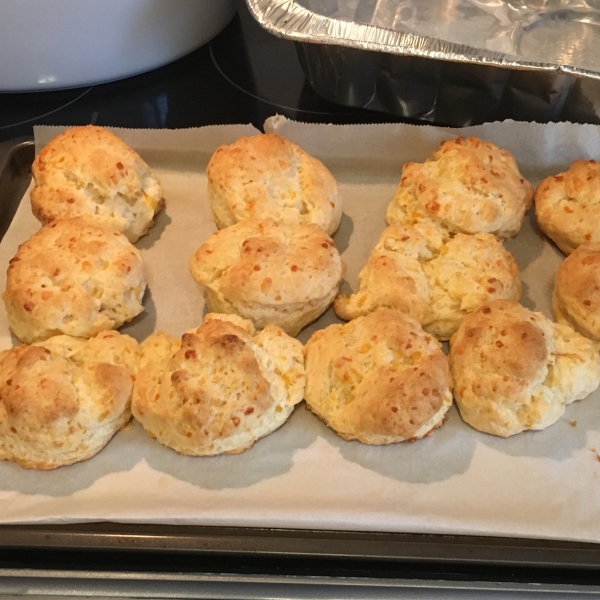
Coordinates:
(47, 44)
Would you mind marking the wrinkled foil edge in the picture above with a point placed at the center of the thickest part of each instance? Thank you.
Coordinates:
(289, 20)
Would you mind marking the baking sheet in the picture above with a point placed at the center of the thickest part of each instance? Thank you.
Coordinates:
(537, 484)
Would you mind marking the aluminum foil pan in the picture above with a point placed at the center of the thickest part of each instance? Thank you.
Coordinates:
(454, 62)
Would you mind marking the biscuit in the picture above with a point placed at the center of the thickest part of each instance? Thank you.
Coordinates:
(467, 186)
(567, 205)
(419, 270)
(269, 272)
(62, 400)
(576, 297)
(514, 369)
(267, 176)
(379, 379)
(220, 388)
(75, 277)
(90, 171)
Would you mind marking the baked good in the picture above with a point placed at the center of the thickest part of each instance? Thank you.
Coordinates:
(379, 379)
(393, 276)
(63, 399)
(576, 296)
(76, 277)
(421, 271)
(220, 388)
(269, 272)
(567, 205)
(514, 369)
(467, 186)
(267, 176)
(90, 171)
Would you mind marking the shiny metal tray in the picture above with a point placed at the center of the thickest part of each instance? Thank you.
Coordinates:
(453, 62)
(125, 560)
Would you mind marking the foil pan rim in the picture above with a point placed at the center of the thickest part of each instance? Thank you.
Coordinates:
(289, 20)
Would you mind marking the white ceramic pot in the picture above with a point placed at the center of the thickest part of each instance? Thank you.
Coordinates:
(48, 44)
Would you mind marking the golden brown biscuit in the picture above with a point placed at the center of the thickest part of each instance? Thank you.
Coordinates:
(75, 277)
(220, 388)
(90, 171)
(514, 369)
(567, 205)
(267, 176)
(467, 186)
(62, 400)
(576, 297)
(379, 379)
(269, 273)
(421, 271)
(393, 276)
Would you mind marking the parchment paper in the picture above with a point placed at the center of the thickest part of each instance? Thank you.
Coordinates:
(536, 484)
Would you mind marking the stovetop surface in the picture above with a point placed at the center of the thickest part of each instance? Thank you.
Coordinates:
(243, 76)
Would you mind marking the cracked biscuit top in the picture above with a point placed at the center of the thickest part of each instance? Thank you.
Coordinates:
(62, 400)
(267, 176)
(467, 186)
(419, 270)
(567, 205)
(269, 272)
(379, 379)
(220, 387)
(576, 296)
(74, 277)
(90, 171)
(514, 369)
